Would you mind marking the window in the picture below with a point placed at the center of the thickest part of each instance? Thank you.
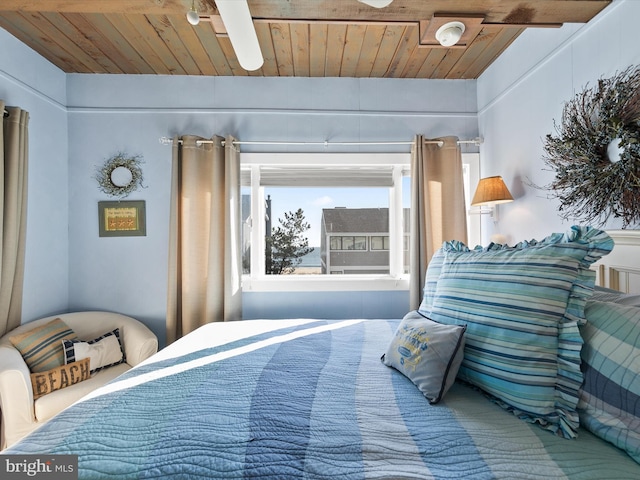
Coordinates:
(348, 243)
(356, 207)
(345, 199)
(381, 243)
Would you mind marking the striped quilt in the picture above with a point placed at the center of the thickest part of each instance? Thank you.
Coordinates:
(308, 399)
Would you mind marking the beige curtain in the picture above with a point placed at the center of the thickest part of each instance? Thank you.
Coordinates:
(437, 205)
(14, 146)
(204, 256)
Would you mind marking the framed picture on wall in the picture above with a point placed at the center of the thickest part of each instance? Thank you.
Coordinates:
(125, 218)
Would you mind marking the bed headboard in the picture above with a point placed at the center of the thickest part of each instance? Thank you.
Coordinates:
(620, 269)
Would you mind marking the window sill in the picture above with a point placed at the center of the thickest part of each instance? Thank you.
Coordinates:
(324, 283)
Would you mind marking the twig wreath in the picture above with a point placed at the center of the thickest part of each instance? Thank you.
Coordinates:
(120, 175)
(596, 152)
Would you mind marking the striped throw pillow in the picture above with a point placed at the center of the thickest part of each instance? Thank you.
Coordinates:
(522, 306)
(610, 398)
(41, 347)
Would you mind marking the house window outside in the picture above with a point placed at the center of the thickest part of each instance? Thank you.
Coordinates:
(348, 243)
(381, 242)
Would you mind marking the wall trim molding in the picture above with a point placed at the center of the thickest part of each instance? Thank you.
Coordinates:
(32, 91)
(271, 111)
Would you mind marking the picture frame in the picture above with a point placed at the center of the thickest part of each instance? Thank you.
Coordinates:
(124, 218)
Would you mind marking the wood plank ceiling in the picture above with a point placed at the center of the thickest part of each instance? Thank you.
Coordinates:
(301, 38)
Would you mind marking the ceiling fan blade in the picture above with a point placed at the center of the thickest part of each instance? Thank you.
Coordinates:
(237, 20)
(376, 3)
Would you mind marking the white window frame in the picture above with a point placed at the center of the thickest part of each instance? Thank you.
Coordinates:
(258, 281)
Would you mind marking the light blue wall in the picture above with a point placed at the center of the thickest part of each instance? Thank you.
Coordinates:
(30, 82)
(524, 91)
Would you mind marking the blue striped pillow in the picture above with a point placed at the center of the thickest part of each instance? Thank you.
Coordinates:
(522, 306)
(431, 282)
(610, 398)
(431, 278)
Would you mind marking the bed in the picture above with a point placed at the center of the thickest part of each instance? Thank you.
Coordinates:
(311, 398)
(620, 270)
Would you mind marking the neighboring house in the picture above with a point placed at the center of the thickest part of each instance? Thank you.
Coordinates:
(356, 240)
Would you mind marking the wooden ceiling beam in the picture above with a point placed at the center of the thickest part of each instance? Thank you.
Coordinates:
(505, 11)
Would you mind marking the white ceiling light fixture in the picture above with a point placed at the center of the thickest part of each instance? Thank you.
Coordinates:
(192, 15)
(376, 3)
(450, 33)
(237, 20)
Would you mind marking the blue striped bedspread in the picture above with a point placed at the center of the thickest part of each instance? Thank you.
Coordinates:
(307, 399)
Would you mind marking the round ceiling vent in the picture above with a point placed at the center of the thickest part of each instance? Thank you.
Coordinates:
(450, 33)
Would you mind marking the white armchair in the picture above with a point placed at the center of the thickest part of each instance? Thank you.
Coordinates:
(20, 413)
